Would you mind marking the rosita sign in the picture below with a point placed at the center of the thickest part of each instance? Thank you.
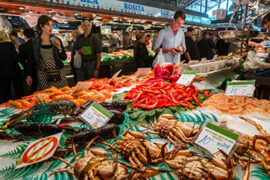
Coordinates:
(133, 7)
(90, 1)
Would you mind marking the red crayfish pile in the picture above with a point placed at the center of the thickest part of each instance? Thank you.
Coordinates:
(167, 72)
(163, 94)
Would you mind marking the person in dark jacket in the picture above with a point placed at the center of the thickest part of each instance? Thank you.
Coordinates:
(10, 72)
(206, 46)
(222, 47)
(46, 62)
(192, 52)
(88, 45)
(141, 55)
(18, 40)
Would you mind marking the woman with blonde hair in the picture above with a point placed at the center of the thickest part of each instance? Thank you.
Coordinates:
(10, 72)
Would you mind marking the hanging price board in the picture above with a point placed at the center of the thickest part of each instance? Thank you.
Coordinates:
(242, 88)
(39, 150)
(186, 78)
(213, 138)
(96, 115)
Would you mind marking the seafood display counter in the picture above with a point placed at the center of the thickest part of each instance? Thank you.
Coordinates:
(152, 133)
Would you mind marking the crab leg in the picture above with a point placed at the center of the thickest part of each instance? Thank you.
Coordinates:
(172, 136)
(74, 151)
(89, 144)
(247, 172)
(258, 126)
(111, 146)
(62, 170)
(64, 161)
(136, 160)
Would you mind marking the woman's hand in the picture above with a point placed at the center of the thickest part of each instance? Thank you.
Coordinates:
(29, 81)
(57, 44)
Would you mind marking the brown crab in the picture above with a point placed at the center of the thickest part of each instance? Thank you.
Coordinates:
(94, 167)
(194, 167)
(139, 152)
(175, 131)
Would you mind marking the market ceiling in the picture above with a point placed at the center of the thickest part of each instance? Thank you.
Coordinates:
(43, 7)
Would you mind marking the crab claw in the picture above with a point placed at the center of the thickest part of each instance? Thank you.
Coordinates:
(99, 152)
(151, 171)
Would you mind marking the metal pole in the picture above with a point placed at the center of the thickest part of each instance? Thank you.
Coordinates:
(206, 4)
(234, 12)
(245, 16)
(219, 4)
(227, 7)
(201, 6)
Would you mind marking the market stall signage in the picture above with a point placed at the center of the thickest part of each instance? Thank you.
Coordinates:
(96, 115)
(242, 88)
(133, 7)
(186, 78)
(142, 72)
(213, 138)
(90, 1)
(39, 150)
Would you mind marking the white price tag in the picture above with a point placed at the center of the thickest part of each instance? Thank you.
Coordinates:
(96, 115)
(213, 138)
(115, 76)
(143, 72)
(242, 88)
(186, 78)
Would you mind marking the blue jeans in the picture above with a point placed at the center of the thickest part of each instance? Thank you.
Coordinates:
(86, 71)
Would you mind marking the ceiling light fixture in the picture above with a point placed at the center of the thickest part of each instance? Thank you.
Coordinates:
(76, 14)
(21, 7)
(50, 11)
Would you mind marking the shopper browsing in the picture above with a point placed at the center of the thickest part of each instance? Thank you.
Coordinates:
(48, 53)
(89, 47)
(172, 39)
(206, 46)
(192, 52)
(10, 72)
(266, 22)
(141, 55)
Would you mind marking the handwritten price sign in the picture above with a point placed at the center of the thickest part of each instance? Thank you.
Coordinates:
(39, 150)
(186, 78)
(242, 88)
(213, 138)
(96, 115)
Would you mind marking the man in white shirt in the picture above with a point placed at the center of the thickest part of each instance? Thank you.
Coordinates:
(172, 39)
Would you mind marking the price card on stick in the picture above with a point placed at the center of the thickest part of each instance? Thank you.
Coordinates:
(142, 72)
(96, 115)
(213, 138)
(39, 150)
(186, 78)
(82, 86)
(242, 88)
(115, 76)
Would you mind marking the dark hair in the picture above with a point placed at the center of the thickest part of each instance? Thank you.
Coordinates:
(14, 33)
(42, 20)
(205, 33)
(29, 33)
(266, 19)
(190, 29)
(148, 35)
(180, 14)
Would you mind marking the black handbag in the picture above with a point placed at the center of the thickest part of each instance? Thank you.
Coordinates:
(54, 75)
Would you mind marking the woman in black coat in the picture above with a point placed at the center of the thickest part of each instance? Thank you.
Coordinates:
(140, 52)
(10, 72)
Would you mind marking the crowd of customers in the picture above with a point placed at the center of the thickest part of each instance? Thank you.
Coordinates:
(41, 54)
